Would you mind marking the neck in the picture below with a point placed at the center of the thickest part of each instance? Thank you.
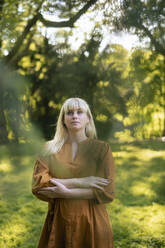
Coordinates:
(76, 137)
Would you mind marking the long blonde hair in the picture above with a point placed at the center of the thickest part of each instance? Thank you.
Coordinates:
(61, 134)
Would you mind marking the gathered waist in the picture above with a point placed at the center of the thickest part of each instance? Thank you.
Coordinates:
(69, 208)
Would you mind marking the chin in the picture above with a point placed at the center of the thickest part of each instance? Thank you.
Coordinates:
(76, 128)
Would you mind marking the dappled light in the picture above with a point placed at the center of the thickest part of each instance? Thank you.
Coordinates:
(143, 189)
(41, 66)
(5, 166)
(137, 213)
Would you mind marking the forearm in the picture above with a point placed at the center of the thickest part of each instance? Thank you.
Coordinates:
(74, 188)
(79, 193)
(76, 193)
(83, 182)
(69, 182)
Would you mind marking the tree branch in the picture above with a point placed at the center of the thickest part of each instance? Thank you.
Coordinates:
(157, 45)
(71, 21)
(1, 9)
(25, 32)
(18, 43)
(22, 53)
(47, 23)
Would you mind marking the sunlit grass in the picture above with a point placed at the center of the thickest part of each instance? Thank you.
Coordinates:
(137, 214)
(5, 166)
(21, 215)
(142, 188)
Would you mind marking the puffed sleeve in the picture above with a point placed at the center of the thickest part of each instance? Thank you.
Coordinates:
(106, 170)
(41, 177)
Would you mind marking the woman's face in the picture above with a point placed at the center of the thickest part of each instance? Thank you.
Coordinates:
(75, 119)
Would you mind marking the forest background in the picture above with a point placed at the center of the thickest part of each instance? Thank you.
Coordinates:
(125, 89)
(40, 67)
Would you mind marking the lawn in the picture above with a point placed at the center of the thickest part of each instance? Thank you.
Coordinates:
(137, 214)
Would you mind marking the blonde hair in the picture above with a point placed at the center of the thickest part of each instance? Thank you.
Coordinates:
(61, 134)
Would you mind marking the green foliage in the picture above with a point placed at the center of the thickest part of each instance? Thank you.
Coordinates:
(148, 103)
(145, 117)
(126, 93)
(12, 89)
(98, 78)
(144, 18)
(21, 23)
(136, 214)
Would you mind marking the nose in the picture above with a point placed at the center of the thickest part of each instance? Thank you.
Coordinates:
(74, 114)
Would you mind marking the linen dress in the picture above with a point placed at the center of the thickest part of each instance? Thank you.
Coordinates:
(73, 223)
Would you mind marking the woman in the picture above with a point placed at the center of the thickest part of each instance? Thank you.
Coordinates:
(75, 174)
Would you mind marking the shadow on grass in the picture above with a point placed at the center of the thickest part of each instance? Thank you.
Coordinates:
(139, 183)
(137, 211)
(146, 144)
(139, 174)
(22, 215)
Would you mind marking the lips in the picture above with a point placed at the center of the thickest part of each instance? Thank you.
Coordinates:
(74, 122)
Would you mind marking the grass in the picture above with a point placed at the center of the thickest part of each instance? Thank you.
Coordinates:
(137, 214)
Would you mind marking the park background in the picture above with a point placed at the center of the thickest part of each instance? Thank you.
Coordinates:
(53, 50)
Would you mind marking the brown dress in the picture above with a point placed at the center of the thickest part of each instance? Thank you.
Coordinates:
(76, 223)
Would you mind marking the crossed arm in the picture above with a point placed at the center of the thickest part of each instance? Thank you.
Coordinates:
(74, 188)
(100, 188)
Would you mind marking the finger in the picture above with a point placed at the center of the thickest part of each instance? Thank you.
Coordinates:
(53, 181)
(59, 184)
(99, 177)
(100, 180)
(98, 187)
(102, 183)
(103, 180)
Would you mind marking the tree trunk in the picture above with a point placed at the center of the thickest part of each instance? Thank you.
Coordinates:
(3, 130)
(163, 93)
(1, 8)
(163, 134)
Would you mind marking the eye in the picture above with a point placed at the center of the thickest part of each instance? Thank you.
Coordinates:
(69, 112)
(79, 111)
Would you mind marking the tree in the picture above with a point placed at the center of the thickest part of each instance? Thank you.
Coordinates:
(100, 78)
(146, 106)
(12, 88)
(22, 18)
(147, 20)
(19, 31)
(144, 18)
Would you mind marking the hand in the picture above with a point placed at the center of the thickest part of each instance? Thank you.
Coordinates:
(85, 182)
(58, 191)
(93, 182)
(68, 182)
